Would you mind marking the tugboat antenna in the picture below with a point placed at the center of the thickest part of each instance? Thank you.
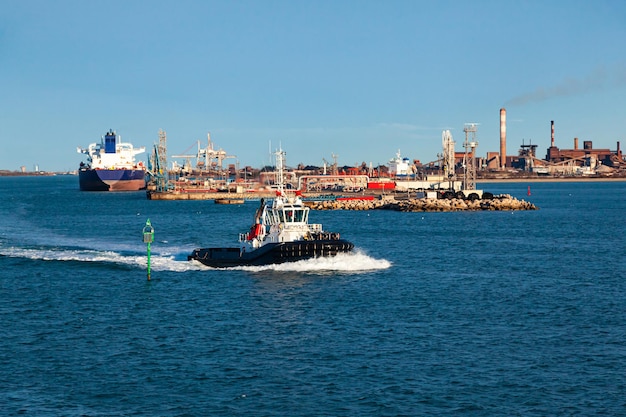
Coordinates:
(280, 167)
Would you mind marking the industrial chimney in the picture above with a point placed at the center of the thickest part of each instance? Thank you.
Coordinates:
(502, 138)
(552, 134)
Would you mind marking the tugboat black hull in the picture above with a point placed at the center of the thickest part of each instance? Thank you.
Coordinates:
(273, 253)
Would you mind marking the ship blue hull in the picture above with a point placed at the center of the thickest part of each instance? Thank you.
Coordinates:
(273, 253)
(111, 179)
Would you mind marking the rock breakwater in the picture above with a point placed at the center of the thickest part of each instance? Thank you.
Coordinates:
(502, 202)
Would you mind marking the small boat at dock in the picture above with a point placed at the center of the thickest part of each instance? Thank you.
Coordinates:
(280, 233)
(229, 201)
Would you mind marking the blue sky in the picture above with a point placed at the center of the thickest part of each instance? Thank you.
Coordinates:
(359, 79)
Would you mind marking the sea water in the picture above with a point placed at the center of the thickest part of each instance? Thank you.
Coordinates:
(466, 313)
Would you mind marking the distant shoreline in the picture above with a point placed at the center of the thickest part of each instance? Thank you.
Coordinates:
(31, 174)
(5, 173)
(552, 179)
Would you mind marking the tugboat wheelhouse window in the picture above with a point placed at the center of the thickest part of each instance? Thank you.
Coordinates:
(292, 215)
(298, 216)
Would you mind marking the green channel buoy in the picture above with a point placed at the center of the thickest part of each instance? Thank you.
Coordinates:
(148, 238)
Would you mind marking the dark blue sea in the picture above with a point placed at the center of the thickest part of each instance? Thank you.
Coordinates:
(469, 313)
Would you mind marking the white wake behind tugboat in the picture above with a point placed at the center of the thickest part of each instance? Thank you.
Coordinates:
(281, 232)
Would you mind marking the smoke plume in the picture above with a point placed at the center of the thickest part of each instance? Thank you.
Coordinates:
(598, 80)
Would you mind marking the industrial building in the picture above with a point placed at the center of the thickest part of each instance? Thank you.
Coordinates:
(576, 161)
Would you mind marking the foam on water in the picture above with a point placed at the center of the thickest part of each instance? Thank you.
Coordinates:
(356, 261)
(158, 262)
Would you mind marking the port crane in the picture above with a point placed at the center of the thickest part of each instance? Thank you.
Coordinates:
(469, 159)
(157, 167)
(209, 154)
(187, 166)
(467, 187)
(335, 166)
(448, 157)
(207, 158)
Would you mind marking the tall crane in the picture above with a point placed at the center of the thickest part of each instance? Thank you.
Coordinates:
(335, 167)
(209, 154)
(187, 166)
(448, 156)
(207, 158)
(325, 164)
(469, 159)
(158, 163)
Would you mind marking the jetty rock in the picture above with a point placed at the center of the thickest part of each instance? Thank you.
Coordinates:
(502, 202)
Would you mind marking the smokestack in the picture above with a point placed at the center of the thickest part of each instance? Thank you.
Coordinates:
(552, 135)
(575, 143)
(502, 138)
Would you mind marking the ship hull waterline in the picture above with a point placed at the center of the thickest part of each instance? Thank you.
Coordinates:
(273, 253)
(111, 179)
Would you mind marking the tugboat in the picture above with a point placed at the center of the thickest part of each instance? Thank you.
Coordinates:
(281, 232)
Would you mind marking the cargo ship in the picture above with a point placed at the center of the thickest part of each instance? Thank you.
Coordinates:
(111, 166)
